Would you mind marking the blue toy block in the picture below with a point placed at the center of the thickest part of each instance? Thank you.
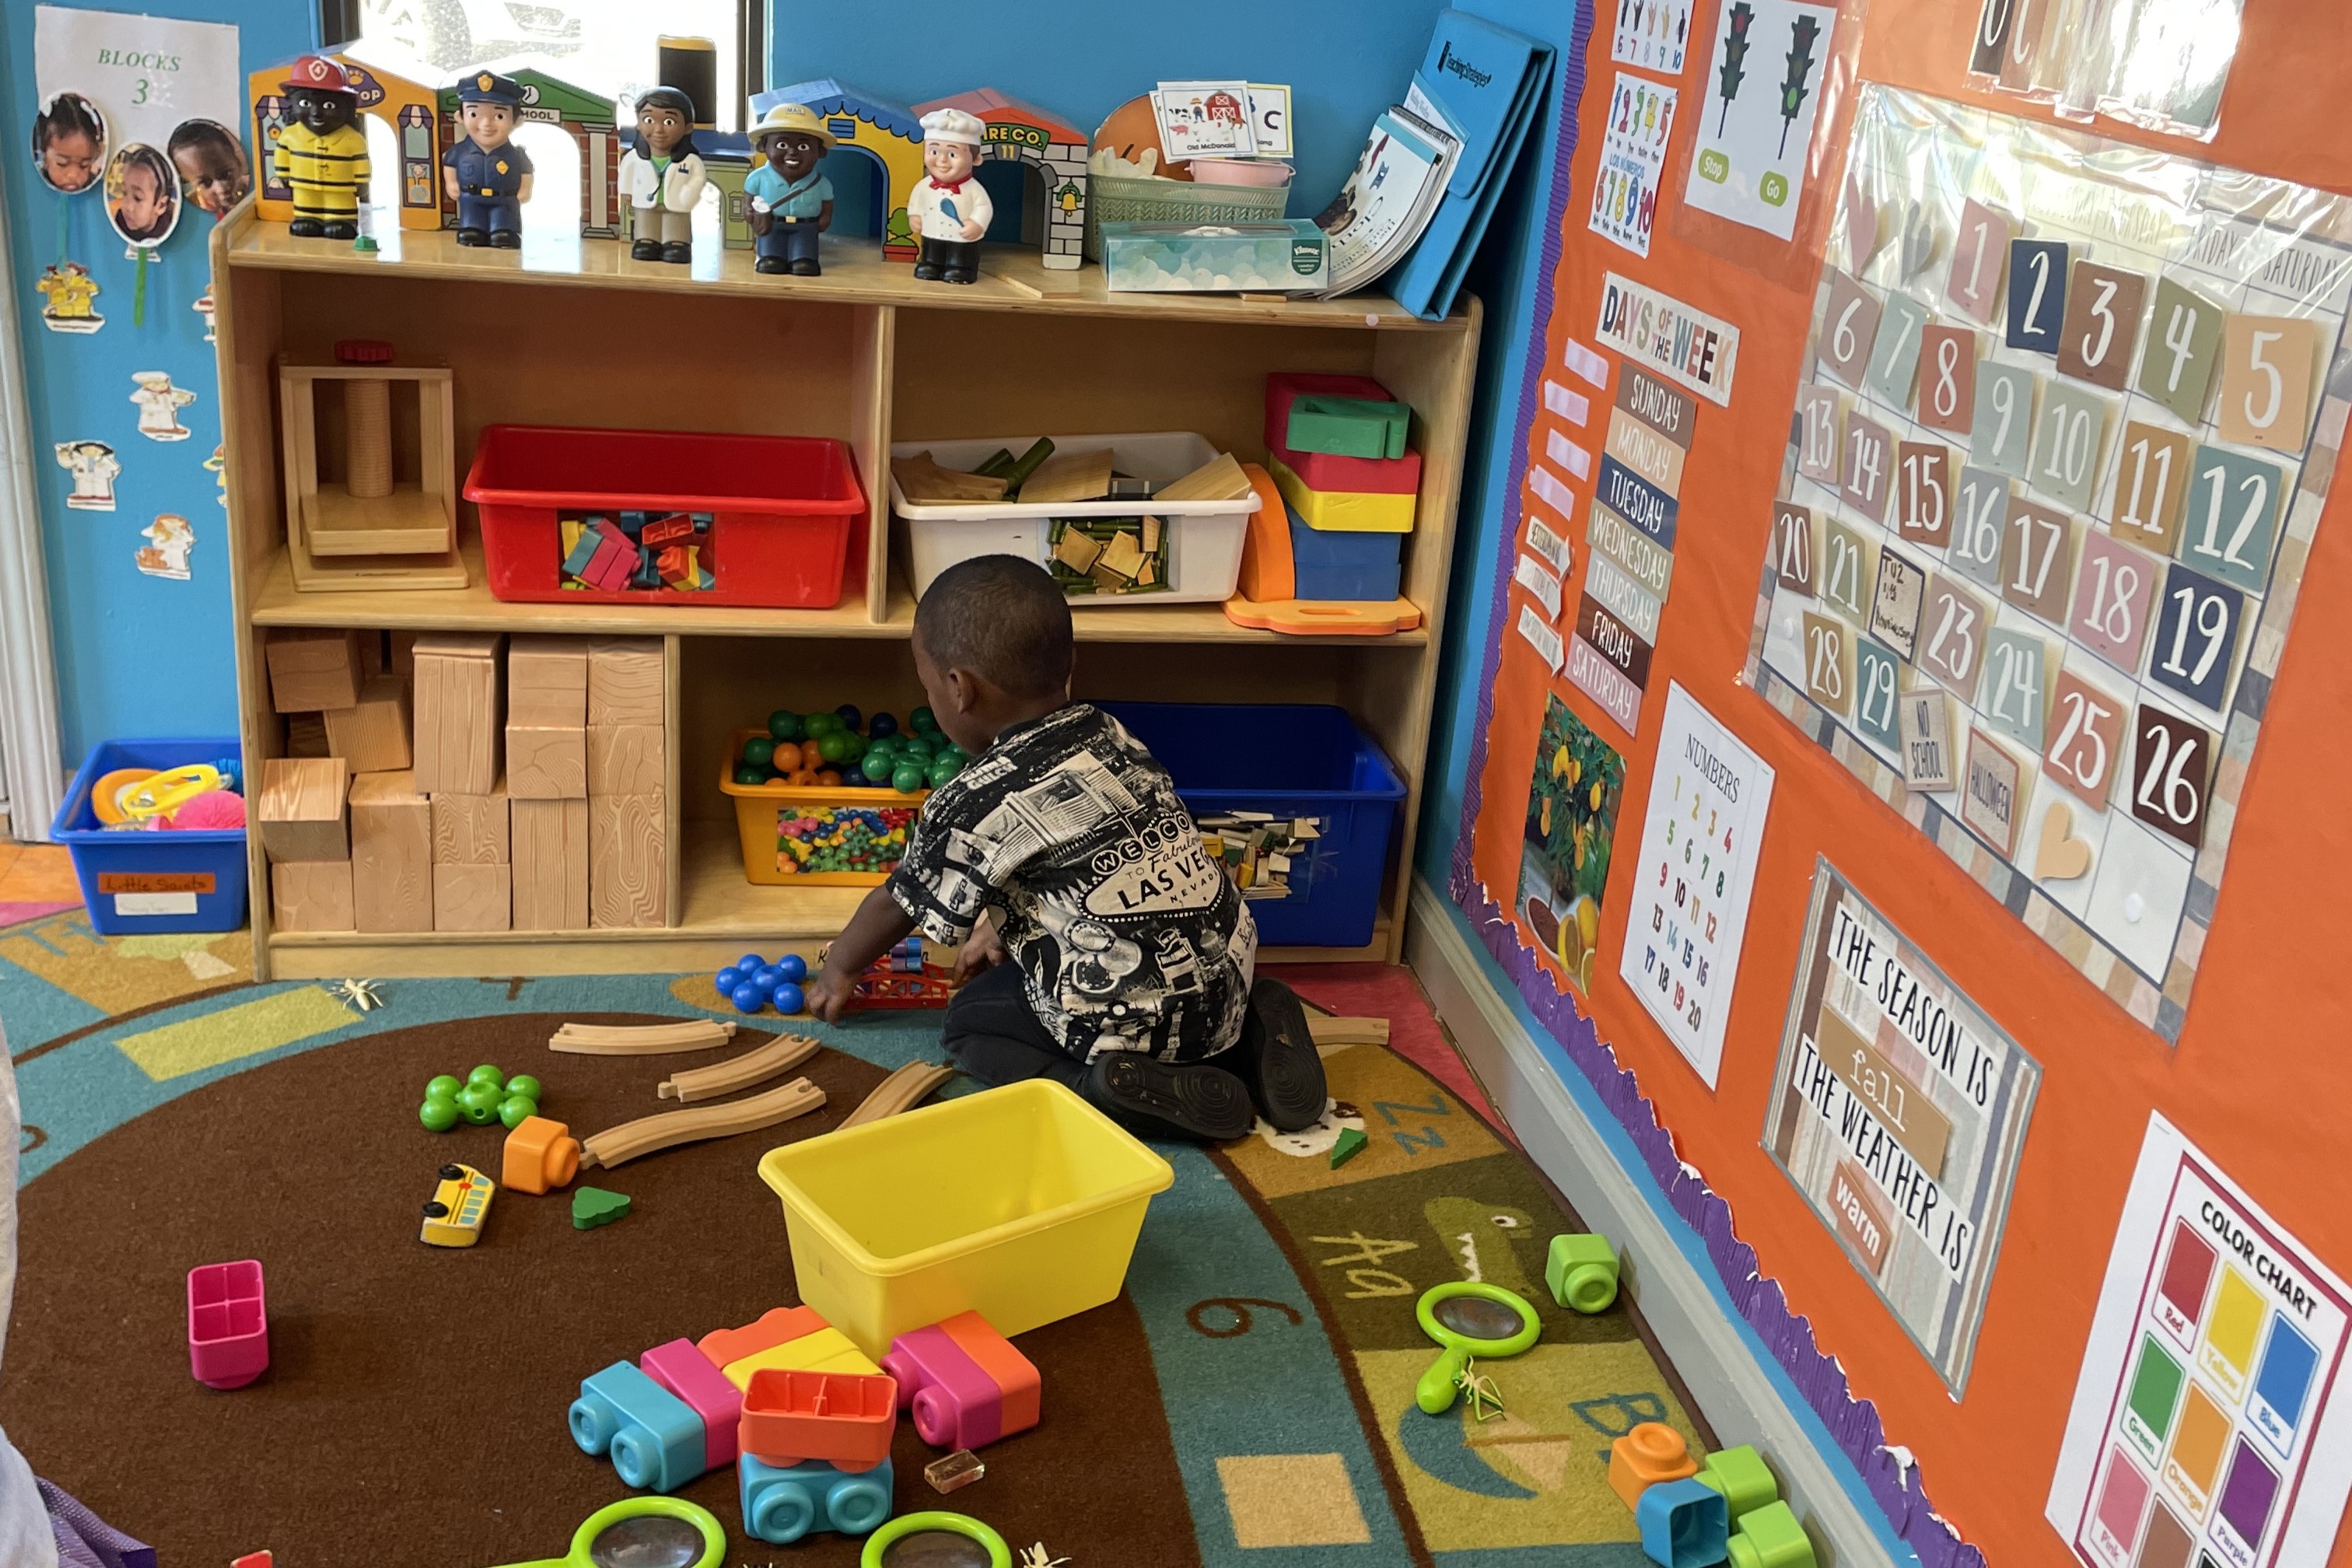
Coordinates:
(783, 1502)
(1684, 1524)
(582, 552)
(1344, 565)
(656, 1439)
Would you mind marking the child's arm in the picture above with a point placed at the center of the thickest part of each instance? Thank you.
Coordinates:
(879, 926)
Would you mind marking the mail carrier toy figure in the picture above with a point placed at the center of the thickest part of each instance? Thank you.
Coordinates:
(791, 201)
(322, 154)
(485, 170)
(946, 209)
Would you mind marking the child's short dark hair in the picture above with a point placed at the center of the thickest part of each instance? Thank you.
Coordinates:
(209, 135)
(68, 114)
(1002, 617)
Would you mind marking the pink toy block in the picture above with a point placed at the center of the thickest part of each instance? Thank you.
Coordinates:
(964, 1381)
(845, 1419)
(229, 1324)
(687, 1372)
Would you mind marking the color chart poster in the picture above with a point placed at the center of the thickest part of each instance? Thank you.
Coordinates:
(2201, 1429)
(1899, 1112)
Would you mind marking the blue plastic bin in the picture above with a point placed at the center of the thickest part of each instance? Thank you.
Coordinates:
(1291, 761)
(135, 884)
(1346, 565)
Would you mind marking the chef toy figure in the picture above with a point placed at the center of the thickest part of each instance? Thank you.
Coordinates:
(487, 173)
(791, 201)
(320, 153)
(662, 177)
(948, 211)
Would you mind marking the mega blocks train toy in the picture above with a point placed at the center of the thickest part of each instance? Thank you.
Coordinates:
(803, 1415)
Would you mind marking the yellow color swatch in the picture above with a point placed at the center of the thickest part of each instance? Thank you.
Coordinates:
(2232, 1330)
(231, 1034)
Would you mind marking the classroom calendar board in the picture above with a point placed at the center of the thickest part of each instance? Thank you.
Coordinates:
(2065, 421)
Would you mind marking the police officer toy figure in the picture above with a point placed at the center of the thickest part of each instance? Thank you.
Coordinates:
(946, 209)
(792, 202)
(320, 153)
(486, 172)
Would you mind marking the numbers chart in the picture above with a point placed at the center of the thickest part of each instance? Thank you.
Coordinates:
(2061, 440)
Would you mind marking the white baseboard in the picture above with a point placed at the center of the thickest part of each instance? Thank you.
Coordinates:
(1691, 1323)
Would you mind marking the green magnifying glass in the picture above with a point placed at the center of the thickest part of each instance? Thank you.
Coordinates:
(1467, 1319)
(644, 1532)
(935, 1540)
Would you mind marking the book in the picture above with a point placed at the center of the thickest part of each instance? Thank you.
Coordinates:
(1388, 200)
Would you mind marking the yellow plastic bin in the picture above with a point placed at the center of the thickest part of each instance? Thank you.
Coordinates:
(767, 815)
(1021, 1204)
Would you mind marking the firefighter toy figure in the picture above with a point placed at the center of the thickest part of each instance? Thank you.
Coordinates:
(320, 153)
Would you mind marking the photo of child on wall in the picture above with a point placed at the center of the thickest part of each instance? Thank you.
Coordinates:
(1579, 781)
(143, 195)
(69, 144)
(212, 164)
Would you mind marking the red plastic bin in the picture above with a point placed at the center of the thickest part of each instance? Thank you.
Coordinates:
(783, 509)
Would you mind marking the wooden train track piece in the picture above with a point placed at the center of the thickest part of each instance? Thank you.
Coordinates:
(1329, 1031)
(640, 1039)
(755, 1066)
(650, 1134)
(902, 1090)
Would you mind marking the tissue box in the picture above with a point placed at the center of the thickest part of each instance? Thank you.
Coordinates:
(1290, 257)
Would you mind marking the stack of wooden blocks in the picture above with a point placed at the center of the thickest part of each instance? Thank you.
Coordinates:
(458, 774)
(348, 721)
(627, 768)
(546, 774)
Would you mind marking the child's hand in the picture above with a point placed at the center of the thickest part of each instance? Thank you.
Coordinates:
(828, 995)
(983, 953)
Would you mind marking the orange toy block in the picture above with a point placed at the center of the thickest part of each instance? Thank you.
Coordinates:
(776, 1326)
(540, 1156)
(1013, 1374)
(1652, 1452)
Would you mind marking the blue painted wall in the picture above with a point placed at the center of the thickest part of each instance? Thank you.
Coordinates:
(135, 654)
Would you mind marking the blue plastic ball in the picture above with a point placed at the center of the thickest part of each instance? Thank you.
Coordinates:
(789, 998)
(850, 717)
(854, 777)
(793, 967)
(884, 724)
(750, 963)
(749, 998)
(768, 977)
(727, 980)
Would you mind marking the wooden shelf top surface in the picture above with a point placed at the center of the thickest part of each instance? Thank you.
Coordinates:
(1013, 277)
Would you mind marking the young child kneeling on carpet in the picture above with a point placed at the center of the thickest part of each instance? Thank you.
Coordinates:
(1123, 962)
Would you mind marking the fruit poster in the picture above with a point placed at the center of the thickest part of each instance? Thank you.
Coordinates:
(1579, 781)
(1692, 883)
(2202, 1430)
(1756, 107)
(1899, 1109)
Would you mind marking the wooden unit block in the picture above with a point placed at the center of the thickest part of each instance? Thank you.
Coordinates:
(550, 865)
(626, 759)
(299, 811)
(310, 895)
(546, 763)
(305, 735)
(371, 654)
(403, 655)
(547, 681)
(624, 681)
(628, 862)
(391, 854)
(372, 735)
(311, 670)
(471, 829)
(472, 898)
(458, 713)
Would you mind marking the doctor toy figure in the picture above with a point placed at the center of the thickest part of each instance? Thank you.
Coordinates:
(662, 178)
(948, 211)
(487, 173)
(791, 201)
(320, 153)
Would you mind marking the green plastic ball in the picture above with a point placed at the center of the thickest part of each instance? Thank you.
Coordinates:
(442, 1088)
(523, 1084)
(833, 746)
(759, 751)
(853, 745)
(439, 1113)
(952, 750)
(489, 1074)
(944, 769)
(478, 1103)
(880, 752)
(785, 724)
(907, 779)
(924, 721)
(747, 774)
(923, 746)
(822, 723)
(514, 1108)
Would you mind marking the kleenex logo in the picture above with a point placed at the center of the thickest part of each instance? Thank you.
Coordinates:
(1447, 60)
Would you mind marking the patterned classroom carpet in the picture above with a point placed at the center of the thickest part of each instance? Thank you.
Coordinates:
(1248, 1400)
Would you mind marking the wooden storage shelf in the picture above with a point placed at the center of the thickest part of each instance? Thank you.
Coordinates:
(575, 333)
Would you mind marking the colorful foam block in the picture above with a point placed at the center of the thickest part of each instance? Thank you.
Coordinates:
(1347, 427)
(1581, 1272)
(584, 550)
(1770, 1536)
(1375, 476)
(1652, 1452)
(1743, 1478)
(656, 1440)
(229, 1324)
(1684, 1524)
(668, 529)
(827, 1349)
(686, 1372)
(773, 1327)
(847, 1419)
(1342, 511)
(964, 1381)
(1285, 387)
(1343, 565)
(783, 1502)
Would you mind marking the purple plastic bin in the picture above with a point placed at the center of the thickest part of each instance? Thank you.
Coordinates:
(229, 1324)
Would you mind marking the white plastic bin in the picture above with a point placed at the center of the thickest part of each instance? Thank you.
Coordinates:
(1203, 538)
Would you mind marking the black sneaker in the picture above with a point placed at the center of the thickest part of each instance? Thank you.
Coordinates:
(1191, 1100)
(473, 236)
(645, 250)
(1278, 1060)
(505, 239)
(678, 251)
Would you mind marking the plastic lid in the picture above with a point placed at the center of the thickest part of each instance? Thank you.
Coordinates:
(362, 350)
